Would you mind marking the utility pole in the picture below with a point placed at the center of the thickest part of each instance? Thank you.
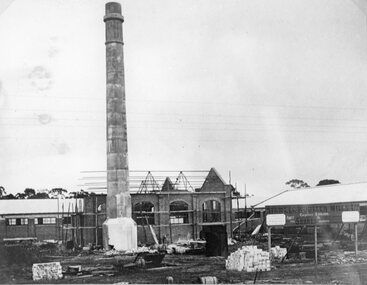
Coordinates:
(238, 214)
(245, 207)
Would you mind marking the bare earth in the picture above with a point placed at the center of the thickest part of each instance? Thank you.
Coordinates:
(187, 269)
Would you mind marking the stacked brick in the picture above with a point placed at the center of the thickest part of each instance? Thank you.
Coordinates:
(277, 253)
(46, 271)
(249, 259)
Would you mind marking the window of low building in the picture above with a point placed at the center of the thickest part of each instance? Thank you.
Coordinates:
(143, 213)
(211, 211)
(66, 220)
(17, 221)
(179, 212)
(44, 221)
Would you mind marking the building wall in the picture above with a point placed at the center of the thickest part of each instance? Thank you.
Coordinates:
(213, 189)
(41, 232)
(86, 227)
(32, 209)
(2, 229)
(194, 200)
(95, 206)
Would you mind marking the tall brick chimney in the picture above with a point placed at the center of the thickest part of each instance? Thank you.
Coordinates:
(119, 230)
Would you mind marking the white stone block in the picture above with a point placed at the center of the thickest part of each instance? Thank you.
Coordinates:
(47, 271)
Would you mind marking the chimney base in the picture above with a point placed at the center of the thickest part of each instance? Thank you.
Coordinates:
(120, 233)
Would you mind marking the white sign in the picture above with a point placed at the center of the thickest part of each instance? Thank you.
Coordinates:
(275, 220)
(350, 217)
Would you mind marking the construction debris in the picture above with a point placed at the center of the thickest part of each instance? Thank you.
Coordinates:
(74, 269)
(277, 253)
(175, 248)
(208, 280)
(47, 271)
(346, 257)
(187, 246)
(249, 259)
(169, 280)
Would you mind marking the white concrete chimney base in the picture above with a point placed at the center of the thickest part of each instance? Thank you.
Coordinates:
(120, 233)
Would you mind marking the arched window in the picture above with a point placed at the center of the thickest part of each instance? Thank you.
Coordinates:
(179, 212)
(211, 211)
(143, 213)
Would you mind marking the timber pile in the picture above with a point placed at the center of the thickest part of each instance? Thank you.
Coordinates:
(249, 259)
(346, 257)
(77, 271)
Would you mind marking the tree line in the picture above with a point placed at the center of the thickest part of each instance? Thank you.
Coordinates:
(297, 183)
(30, 193)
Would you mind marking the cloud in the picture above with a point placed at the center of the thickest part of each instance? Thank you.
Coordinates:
(61, 147)
(3, 96)
(52, 52)
(40, 78)
(44, 119)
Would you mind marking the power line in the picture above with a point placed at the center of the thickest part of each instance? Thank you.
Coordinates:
(289, 122)
(223, 103)
(202, 129)
(178, 115)
(200, 142)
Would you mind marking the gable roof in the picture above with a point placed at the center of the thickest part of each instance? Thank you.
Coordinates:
(213, 182)
(168, 185)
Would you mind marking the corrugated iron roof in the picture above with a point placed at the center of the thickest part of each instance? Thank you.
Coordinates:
(334, 193)
(39, 206)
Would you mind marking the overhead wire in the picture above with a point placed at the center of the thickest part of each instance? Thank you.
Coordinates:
(223, 103)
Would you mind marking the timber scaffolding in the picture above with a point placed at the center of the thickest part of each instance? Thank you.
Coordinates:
(144, 181)
(157, 203)
(86, 225)
(72, 221)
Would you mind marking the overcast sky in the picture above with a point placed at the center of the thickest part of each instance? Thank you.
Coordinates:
(269, 90)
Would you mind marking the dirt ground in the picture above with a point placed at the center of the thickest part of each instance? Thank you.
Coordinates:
(187, 269)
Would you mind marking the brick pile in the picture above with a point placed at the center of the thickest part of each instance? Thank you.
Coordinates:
(249, 259)
(47, 271)
(277, 253)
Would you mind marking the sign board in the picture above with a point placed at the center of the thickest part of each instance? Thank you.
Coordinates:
(350, 217)
(275, 219)
(314, 214)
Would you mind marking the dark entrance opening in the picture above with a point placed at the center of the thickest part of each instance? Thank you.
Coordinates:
(216, 240)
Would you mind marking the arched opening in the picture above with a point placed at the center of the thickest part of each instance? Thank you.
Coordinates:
(143, 213)
(211, 211)
(179, 212)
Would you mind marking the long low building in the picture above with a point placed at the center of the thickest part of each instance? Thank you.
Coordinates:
(319, 205)
(41, 219)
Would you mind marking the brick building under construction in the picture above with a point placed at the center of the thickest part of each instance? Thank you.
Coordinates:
(167, 212)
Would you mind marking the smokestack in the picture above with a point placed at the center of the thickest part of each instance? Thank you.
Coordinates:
(119, 230)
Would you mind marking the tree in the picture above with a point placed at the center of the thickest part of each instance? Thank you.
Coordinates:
(29, 192)
(297, 184)
(55, 192)
(40, 195)
(9, 196)
(327, 182)
(20, 196)
(81, 194)
(2, 191)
